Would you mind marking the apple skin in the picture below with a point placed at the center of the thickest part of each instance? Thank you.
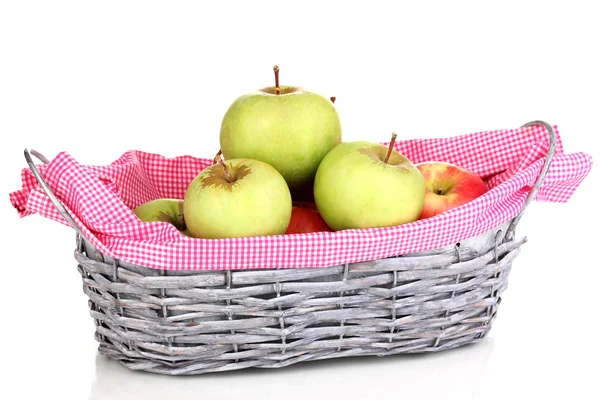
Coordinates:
(306, 220)
(448, 186)
(291, 131)
(162, 210)
(255, 202)
(355, 188)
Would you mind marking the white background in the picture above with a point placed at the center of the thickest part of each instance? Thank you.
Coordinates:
(99, 78)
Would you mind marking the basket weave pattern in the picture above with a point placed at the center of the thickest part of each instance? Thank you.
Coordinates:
(173, 322)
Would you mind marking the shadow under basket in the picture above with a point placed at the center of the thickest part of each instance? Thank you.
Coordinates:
(194, 322)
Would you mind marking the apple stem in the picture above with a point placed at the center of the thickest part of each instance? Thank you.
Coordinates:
(276, 70)
(390, 148)
(332, 99)
(439, 191)
(215, 160)
(219, 159)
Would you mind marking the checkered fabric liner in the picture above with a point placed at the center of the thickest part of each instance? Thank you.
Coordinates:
(100, 200)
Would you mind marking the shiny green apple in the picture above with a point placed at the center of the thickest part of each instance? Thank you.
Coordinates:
(287, 127)
(355, 187)
(237, 198)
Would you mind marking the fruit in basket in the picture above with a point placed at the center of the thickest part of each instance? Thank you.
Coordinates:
(287, 127)
(366, 185)
(448, 186)
(237, 198)
(162, 210)
(306, 220)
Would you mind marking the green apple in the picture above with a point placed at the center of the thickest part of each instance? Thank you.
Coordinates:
(237, 198)
(162, 210)
(367, 185)
(287, 127)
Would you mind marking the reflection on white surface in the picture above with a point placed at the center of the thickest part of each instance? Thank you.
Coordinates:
(451, 374)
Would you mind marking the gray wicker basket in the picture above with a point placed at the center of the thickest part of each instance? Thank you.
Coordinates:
(194, 322)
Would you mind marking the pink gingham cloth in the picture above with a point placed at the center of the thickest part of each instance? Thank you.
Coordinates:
(100, 199)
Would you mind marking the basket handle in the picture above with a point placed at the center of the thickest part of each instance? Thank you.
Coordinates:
(38, 176)
(510, 232)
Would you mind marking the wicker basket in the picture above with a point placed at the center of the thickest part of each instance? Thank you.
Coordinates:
(194, 322)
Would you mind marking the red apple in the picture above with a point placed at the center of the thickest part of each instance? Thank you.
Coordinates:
(306, 219)
(448, 186)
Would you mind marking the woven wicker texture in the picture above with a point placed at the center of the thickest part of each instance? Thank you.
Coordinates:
(192, 323)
